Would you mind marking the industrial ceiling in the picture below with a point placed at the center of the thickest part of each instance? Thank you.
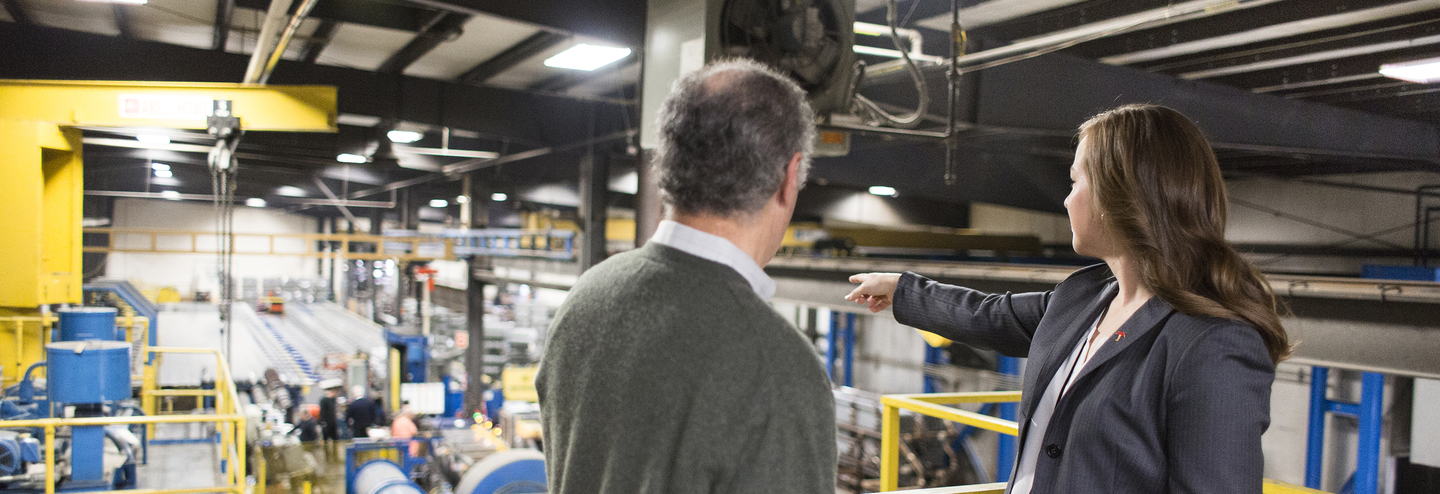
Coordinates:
(1285, 88)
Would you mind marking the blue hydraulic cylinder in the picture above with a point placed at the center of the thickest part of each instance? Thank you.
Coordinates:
(87, 453)
(831, 338)
(850, 349)
(1315, 443)
(88, 323)
(82, 372)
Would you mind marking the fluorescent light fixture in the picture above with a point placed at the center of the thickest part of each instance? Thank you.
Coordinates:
(404, 136)
(290, 191)
(869, 29)
(881, 190)
(153, 139)
(587, 57)
(160, 167)
(499, 197)
(462, 199)
(351, 158)
(439, 203)
(1419, 71)
(171, 195)
(164, 173)
(255, 202)
(131, 2)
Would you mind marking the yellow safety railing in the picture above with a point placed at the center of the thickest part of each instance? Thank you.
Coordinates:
(146, 240)
(227, 419)
(934, 405)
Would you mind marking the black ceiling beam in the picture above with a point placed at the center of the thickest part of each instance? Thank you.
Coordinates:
(615, 21)
(1226, 23)
(122, 20)
(386, 14)
(446, 26)
(512, 56)
(502, 113)
(17, 12)
(318, 40)
(563, 82)
(224, 11)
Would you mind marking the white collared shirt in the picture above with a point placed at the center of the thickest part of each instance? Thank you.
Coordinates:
(718, 249)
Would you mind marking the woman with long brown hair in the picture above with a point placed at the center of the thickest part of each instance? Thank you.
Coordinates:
(1150, 372)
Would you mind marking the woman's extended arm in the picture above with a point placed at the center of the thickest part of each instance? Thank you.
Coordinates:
(1002, 322)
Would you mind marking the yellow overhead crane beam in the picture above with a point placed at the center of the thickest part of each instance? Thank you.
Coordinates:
(42, 176)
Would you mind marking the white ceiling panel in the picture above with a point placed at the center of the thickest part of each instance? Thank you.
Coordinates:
(533, 69)
(363, 47)
(181, 22)
(90, 17)
(484, 37)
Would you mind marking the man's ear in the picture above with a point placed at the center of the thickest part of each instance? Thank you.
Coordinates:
(790, 188)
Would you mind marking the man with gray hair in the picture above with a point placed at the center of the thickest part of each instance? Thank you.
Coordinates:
(666, 370)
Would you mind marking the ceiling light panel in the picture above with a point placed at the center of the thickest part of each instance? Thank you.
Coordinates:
(1419, 71)
(587, 57)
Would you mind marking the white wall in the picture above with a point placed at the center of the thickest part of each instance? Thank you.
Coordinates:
(1052, 228)
(190, 272)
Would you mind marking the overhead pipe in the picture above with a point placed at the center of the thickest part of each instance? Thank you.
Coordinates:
(271, 45)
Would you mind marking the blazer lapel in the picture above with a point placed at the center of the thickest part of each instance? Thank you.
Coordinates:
(1146, 319)
(1061, 346)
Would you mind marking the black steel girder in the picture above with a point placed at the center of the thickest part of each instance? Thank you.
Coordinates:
(616, 21)
(17, 12)
(444, 27)
(512, 56)
(224, 11)
(318, 40)
(122, 20)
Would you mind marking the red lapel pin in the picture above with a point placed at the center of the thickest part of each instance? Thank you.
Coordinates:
(1119, 334)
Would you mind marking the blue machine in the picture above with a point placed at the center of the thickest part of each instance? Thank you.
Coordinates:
(415, 352)
(88, 323)
(89, 374)
(512, 471)
(386, 467)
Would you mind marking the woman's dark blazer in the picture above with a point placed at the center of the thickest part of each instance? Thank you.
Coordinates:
(1175, 405)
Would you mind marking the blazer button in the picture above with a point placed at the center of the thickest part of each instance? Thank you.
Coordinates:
(1052, 451)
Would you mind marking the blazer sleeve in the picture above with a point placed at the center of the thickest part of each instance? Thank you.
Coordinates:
(1218, 406)
(1002, 322)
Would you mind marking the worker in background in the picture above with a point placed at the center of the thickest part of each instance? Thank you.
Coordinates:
(404, 427)
(307, 428)
(330, 418)
(1152, 370)
(666, 370)
(362, 414)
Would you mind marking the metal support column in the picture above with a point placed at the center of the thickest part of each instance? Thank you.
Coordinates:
(647, 199)
(594, 202)
(933, 356)
(475, 329)
(1370, 414)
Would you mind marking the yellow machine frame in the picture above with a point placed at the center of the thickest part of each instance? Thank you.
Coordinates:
(42, 179)
(934, 405)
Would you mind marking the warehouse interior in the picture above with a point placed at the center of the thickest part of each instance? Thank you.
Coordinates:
(231, 213)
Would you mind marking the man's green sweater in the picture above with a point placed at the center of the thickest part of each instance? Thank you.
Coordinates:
(665, 373)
